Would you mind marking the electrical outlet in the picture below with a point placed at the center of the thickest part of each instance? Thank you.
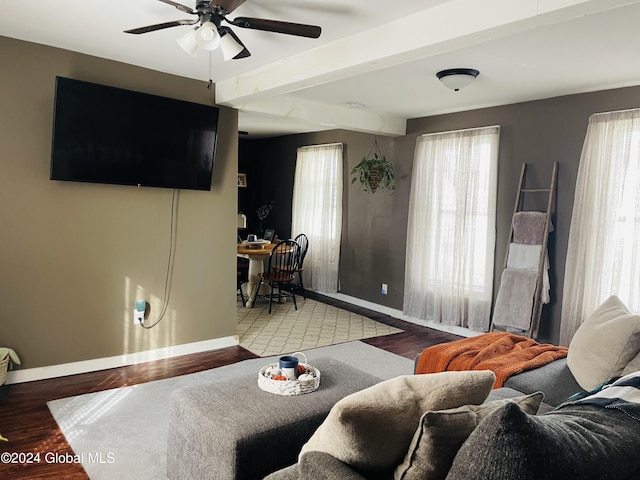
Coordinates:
(139, 310)
(138, 317)
(384, 288)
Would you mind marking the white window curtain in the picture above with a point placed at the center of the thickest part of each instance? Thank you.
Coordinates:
(451, 228)
(317, 212)
(603, 254)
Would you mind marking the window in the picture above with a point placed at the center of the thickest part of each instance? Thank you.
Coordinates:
(317, 212)
(603, 257)
(451, 229)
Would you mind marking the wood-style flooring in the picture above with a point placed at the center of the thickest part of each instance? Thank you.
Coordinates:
(25, 419)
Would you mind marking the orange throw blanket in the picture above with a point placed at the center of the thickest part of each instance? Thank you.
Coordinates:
(504, 353)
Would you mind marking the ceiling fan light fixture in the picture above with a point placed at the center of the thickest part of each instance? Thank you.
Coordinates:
(457, 78)
(207, 36)
(229, 47)
(189, 43)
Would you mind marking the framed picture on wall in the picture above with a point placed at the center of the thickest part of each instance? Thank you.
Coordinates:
(242, 180)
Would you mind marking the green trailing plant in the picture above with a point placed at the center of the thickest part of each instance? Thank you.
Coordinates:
(374, 171)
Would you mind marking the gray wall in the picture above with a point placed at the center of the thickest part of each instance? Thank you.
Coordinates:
(374, 231)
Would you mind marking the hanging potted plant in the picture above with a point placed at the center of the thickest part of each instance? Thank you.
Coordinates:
(374, 171)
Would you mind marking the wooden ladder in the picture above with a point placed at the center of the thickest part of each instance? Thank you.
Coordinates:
(551, 192)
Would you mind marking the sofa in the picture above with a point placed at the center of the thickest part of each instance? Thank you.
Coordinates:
(574, 418)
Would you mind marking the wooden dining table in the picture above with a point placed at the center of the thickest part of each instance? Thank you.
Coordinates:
(256, 256)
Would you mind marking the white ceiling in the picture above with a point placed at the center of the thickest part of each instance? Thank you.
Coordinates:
(382, 58)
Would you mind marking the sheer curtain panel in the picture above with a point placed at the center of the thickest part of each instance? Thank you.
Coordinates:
(603, 254)
(451, 228)
(317, 212)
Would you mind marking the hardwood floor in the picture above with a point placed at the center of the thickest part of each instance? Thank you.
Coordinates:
(25, 419)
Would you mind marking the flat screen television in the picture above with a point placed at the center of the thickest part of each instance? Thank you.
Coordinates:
(110, 135)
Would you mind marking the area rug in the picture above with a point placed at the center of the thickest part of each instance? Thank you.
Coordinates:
(313, 324)
(122, 433)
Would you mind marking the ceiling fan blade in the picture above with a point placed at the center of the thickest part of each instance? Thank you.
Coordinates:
(179, 6)
(227, 5)
(227, 31)
(160, 26)
(299, 29)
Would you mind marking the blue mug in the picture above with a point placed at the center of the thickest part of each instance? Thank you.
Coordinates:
(252, 238)
(289, 366)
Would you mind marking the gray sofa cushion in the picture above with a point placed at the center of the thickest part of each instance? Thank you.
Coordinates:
(505, 392)
(317, 461)
(554, 379)
(583, 442)
(441, 433)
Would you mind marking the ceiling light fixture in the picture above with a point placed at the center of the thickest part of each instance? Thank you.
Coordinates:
(205, 37)
(188, 42)
(457, 78)
(229, 46)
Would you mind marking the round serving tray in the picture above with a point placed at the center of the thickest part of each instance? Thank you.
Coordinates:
(289, 387)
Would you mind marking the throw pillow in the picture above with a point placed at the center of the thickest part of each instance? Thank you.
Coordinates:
(577, 441)
(632, 366)
(371, 430)
(604, 344)
(441, 433)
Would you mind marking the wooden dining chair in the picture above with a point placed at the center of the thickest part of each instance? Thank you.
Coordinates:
(281, 271)
(303, 242)
(243, 275)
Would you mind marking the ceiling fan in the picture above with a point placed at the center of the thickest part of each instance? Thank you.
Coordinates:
(210, 34)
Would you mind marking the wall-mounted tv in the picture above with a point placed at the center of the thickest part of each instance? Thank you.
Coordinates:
(104, 134)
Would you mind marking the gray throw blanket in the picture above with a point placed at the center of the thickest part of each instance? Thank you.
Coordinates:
(528, 227)
(514, 303)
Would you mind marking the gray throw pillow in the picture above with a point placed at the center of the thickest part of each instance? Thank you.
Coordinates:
(442, 432)
(583, 442)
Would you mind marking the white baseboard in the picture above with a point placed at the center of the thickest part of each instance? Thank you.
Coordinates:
(93, 365)
(462, 331)
(85, 366)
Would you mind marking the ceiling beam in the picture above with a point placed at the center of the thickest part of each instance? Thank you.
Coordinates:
(446, 27)
(328, 116)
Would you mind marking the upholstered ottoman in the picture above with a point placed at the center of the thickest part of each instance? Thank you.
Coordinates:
(234, 430)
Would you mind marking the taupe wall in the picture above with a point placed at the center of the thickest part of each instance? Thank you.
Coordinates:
(374, 233)
(74, 257)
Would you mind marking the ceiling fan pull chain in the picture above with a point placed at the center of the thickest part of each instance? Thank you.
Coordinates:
(210, 84)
